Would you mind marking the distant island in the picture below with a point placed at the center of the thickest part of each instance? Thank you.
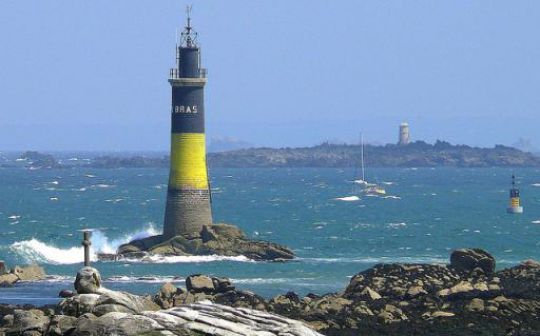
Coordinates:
(415, 154)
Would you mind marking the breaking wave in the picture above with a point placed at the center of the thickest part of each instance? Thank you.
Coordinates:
(34, 250)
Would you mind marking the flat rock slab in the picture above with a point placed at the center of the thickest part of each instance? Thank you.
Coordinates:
(194, 319)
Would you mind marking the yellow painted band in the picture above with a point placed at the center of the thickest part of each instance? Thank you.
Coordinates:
(188, 161)
(514, 202)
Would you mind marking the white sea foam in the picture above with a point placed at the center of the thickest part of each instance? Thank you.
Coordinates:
(34, 250)
(392, 197)
(102, 185)
(348, 199)
(116, 200)
(536, 221)
(536, 184)
(158, 259)
(397, 225)
(14, 217)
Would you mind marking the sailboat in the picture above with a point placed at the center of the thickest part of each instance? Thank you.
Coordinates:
(362, 181)
(371, 189)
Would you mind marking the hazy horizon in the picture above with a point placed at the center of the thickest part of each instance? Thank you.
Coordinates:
(92, 76)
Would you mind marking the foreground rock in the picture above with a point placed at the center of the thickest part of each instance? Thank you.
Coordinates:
(215, 239)
(18, 273)
(387, 299)
(93, 299)
(186, 320)
(398, 299)
(467, 260)
(99, 311)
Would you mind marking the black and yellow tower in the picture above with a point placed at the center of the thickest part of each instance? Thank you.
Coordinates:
(188, 196)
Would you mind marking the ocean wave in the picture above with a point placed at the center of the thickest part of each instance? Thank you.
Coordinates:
(396, 225)
(348, 199)
(536, 184)
(102, 185)
(151, 279)
(144, 279)
(34, 250)
(536, 221)
(392, 197)
(377, 260)
(269, 280)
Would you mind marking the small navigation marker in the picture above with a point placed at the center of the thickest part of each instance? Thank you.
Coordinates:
(514, 206)
(86, 244)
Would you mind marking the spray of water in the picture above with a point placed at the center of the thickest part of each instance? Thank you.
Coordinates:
(34, 250)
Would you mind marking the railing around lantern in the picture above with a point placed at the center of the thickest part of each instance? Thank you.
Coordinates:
(174, 73)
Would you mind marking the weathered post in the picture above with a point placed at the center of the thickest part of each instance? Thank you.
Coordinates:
(86, 244)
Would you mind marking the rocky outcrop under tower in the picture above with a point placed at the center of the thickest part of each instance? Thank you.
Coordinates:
(214, 239)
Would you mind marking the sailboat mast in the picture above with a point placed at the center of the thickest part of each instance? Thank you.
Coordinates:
(362, 155)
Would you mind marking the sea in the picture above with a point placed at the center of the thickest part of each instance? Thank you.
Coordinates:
(427, 213)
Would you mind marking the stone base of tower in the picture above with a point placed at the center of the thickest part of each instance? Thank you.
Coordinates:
(214, 239)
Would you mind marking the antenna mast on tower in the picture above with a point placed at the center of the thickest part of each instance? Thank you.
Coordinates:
(189, 36)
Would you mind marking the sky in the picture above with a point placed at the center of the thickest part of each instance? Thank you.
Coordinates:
(92, 75)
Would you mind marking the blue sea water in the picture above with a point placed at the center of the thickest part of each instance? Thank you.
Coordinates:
(430, 212)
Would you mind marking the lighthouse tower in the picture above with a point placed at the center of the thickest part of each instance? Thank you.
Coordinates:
(188, 205)
(514, 206)
(404, 137)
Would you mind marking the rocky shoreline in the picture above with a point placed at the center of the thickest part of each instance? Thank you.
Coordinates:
(9, 277)
(466, 297)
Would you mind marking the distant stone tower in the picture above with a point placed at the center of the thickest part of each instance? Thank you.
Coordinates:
(403, 134)
(188, 205)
